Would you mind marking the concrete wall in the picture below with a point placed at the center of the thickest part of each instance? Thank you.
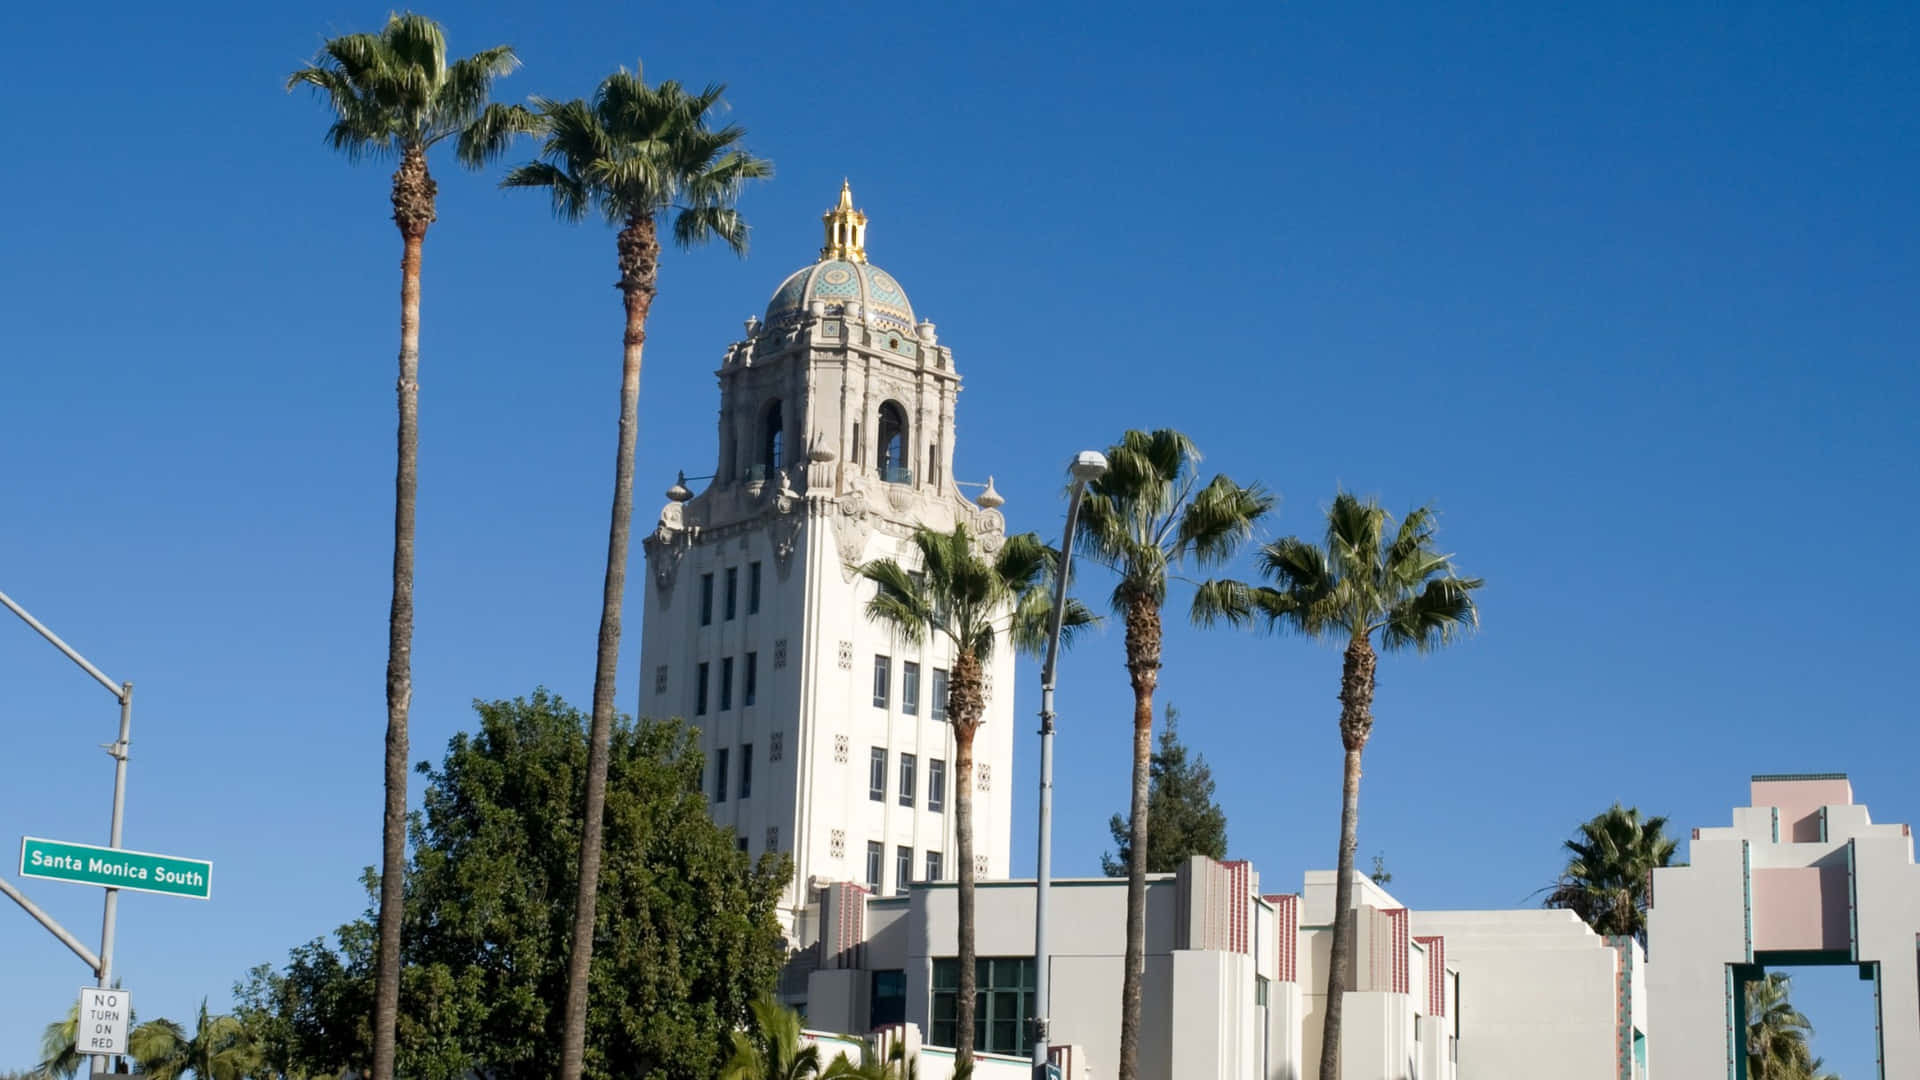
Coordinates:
(1537, 991)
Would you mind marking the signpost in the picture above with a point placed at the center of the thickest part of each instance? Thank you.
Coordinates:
(103, 1020)
(116, 868)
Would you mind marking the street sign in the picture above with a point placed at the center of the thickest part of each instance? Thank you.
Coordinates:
(103, 1020)
(116, 868)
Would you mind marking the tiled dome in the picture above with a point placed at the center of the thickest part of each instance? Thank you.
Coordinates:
(835, 282)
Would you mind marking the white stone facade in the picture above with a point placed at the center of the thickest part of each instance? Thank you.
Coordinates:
(1803, 876)
(836, 438)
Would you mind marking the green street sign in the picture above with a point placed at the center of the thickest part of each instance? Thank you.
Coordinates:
(116, 868)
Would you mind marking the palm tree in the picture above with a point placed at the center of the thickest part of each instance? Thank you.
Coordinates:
(393, 94)
(772, 1049)
(1609, 871)
(60, 1054)
(219, 1049)
(640, 155)
(1777, 1033)
(972, 600)
(1363, 582)
(1143, 519)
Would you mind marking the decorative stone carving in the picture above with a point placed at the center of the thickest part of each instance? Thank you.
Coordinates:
(665, 548)
(851, 527)
(839, 749)
(846, 655)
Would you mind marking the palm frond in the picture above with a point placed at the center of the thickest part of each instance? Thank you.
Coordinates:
(488, 136)
(1435, 616)
(395, 91)
(1218, 519)
(637, 151)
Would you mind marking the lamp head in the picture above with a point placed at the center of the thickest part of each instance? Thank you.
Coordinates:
(1088, 466)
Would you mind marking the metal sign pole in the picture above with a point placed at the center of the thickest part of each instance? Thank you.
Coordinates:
(118, 750)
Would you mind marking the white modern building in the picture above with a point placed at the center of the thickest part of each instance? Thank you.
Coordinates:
(1231, 988)
(1541, 994)
(825, 733)
(1802, 877)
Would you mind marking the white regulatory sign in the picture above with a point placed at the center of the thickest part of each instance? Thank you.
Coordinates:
(103, 1021)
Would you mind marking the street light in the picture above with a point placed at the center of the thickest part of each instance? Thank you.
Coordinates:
(1088, 466)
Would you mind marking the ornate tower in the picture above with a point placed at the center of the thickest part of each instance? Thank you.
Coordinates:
(825, 733)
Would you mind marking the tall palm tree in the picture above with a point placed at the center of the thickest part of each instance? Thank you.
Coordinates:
(973, 601)
(1364, 581)
(772, 1048)
(1777, 1033)
(1610, 870)
(643, 156)
(394, 95)
(1144, 519)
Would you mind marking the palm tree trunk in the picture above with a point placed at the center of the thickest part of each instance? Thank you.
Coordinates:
(964, 706)
(639, 264)
(413, 192)
(1143, 663)
(1356, 723)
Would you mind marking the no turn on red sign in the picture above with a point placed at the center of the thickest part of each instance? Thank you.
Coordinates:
(104, 1018)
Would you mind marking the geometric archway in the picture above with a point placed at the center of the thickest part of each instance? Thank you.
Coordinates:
(1802, 877)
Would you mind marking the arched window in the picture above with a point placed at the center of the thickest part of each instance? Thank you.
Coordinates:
(772, 439)
(892, 456)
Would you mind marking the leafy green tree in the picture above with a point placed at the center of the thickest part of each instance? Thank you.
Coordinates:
(640, 155)
(686, 925)
(394, 95)
(1364, 581)
(1145, 519)
(1186, 820)
(1609, 871)
(973, 599)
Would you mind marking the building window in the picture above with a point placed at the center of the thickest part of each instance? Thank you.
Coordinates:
(706, 599)
(934, 867)
(939, 694)
(753, 588)
(907, 778)
(720, 775)
(902, 869)
(892, 455)
(910, 688)
(700, 690)
(733, 590)
(741, 843)
(887, 1005)
(1004, 1002)
(746, 769)
(882, 672)
(749, 684)
(726, 684)
(1260, 995)
(772, 442)
(875, 854)
(877, 775)
(937, 786)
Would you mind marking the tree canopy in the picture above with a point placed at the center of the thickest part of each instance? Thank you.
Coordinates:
(687, 937)
(1186, 820)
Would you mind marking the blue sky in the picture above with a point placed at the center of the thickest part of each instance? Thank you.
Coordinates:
(1626, 290)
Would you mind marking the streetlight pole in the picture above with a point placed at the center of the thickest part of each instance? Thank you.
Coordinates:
(1088, 466)
(123, 692)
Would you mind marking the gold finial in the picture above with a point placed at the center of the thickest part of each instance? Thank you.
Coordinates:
(846, 229)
